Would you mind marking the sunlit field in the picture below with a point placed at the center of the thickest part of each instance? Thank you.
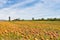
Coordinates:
(30, 30)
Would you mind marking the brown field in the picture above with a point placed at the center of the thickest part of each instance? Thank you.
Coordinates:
(30, 30)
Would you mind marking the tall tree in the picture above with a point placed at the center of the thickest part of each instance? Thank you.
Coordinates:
(9, 18)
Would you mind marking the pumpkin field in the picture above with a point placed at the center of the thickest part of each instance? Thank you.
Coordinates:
(30, 30)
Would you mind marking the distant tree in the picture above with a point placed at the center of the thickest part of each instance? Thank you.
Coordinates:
(9, 18)
(32, 18)
(58, 19)
(50, 19)
(16, 19)
(42, 19)
(55, 19)
(22, 19)
(38, 19)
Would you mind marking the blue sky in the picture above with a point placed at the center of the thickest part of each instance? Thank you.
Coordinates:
(26, 9)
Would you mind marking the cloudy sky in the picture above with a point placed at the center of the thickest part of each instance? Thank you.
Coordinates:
(26, 9)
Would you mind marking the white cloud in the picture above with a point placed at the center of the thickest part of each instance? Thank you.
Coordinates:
(38, 11)
(2, 2)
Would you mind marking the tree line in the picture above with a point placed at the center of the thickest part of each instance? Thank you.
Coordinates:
(48, 19)
(33, 19)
